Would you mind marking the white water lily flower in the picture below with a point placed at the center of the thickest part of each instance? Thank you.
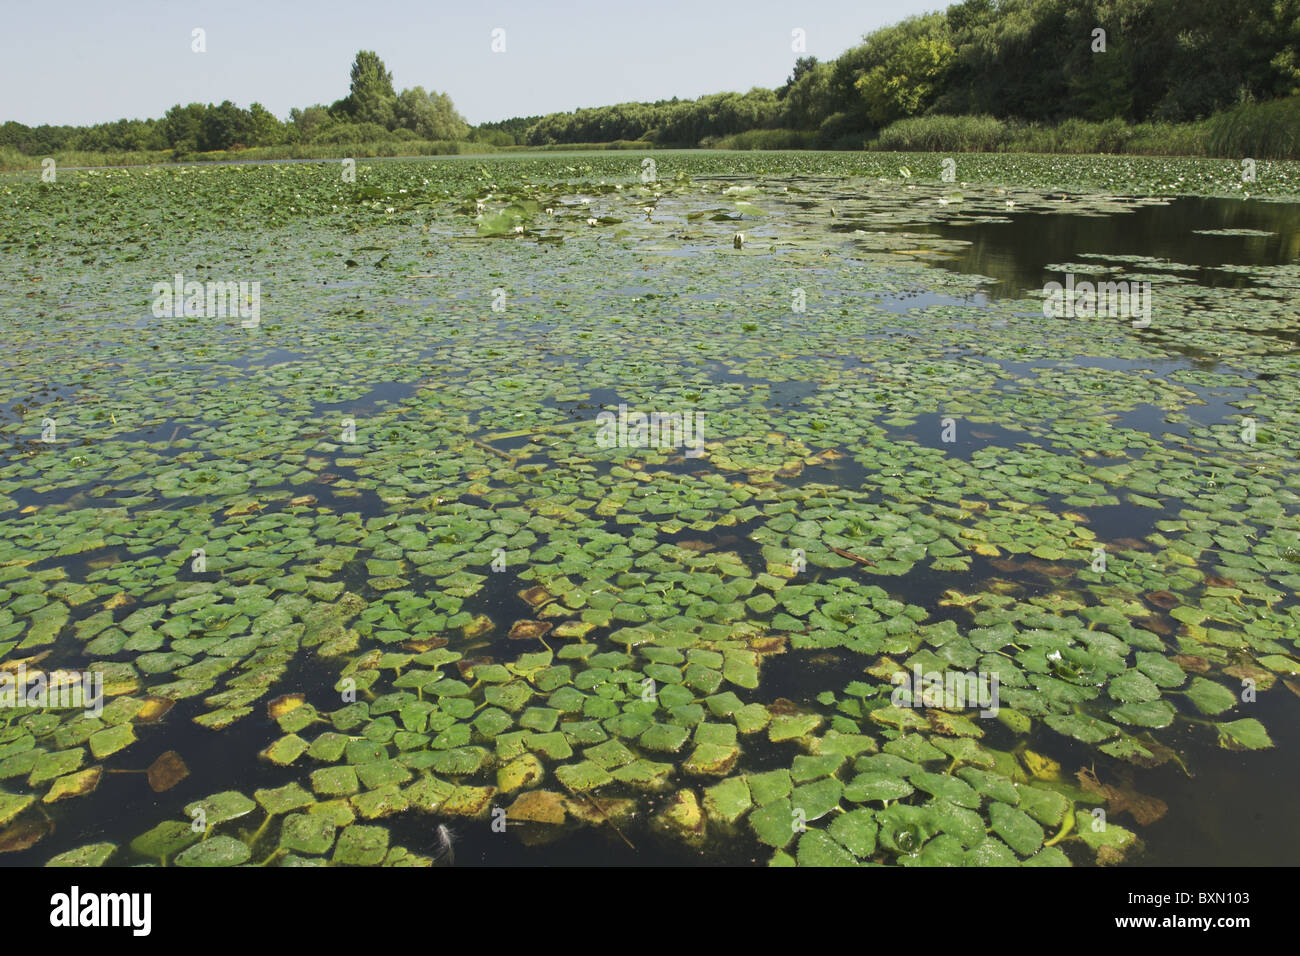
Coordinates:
(390, 209)
(518, 229)
(591, 222)
(550, 211)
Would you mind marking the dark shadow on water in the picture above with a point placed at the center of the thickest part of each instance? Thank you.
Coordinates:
(1016, 253)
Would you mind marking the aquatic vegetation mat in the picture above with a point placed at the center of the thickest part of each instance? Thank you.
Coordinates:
(389, 575)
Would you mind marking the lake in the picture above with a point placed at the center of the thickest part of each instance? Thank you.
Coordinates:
(613, 508)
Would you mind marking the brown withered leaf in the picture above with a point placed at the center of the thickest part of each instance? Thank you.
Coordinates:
(536, 596)
(1158, 625)
(26, 831)
(167, 771)
(1143, 808)
(426, 644)
(1131, 544)
(694, 545)
(768, 645)
(1047, 569)
(525, 630)
(1163, 599)
(479, 625)
(1192, 662)
(1264, 680)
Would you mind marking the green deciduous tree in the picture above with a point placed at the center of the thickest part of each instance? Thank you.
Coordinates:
(908, 81)
(371, 99)
(429, 115)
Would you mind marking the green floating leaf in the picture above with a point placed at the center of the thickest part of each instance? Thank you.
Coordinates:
(817, 849)
(856, 831)
(94, 854)
(1016, 827)
(165, 839)
(1090, 730)
(217, 851)
(221, 807)
(12, 804)
(775, 823)
(1209, 697)
(728, 800)
(361, 845)
(309, 833)
(1244, 734)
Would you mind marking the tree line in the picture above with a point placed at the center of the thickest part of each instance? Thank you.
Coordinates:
(1032, 60)
(373, 111)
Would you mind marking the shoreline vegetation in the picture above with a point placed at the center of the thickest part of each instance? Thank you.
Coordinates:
(1258, 131)
(982, 76)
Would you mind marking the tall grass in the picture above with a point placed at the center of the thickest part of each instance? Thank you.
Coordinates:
(1258, 130)
(1110, 136)
(11, 159)
(572, 147)
(953, 134)
(411, 147)
(986, 134)
(763, 139)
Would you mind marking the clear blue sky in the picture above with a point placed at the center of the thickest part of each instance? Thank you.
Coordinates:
(91, 61)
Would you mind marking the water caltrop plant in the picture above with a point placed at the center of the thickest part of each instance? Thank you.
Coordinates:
(922, 574)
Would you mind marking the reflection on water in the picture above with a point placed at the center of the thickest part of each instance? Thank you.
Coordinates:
(1016, 252)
